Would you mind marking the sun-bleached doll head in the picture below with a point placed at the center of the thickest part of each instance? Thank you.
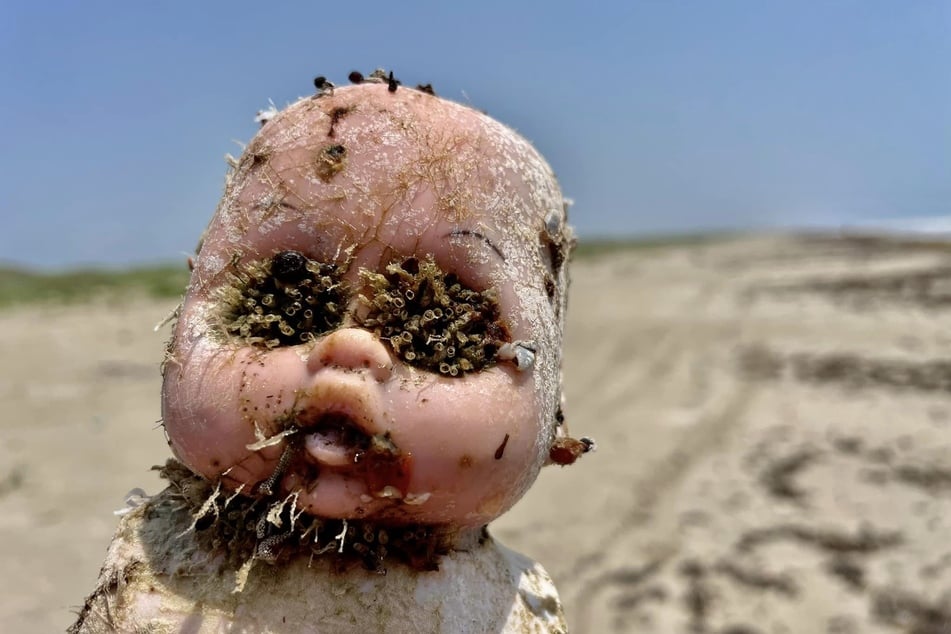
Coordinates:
(374, 319)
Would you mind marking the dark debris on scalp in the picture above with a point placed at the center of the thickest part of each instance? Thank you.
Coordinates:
(380, 76)
(330, 161)
(323, 86)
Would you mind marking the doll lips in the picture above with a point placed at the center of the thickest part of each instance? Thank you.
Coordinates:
(335, 440)
(339, 444)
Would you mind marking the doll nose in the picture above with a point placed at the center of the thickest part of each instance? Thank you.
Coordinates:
(352, 349)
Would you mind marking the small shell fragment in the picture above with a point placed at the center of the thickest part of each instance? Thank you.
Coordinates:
(521, 352)
(415, 499)
(553, 224)
(133, 499)
(263, 116)
(271, 441)
(390, 492)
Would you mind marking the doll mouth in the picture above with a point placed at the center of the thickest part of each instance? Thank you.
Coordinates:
(338, 443)
(335, 440)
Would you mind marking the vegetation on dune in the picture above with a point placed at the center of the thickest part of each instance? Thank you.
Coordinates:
(604, 246)
(167, 281)
(21, 286)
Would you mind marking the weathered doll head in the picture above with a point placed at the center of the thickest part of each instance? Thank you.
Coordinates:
(374, 320)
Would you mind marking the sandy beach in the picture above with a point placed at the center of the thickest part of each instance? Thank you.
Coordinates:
(772, 417)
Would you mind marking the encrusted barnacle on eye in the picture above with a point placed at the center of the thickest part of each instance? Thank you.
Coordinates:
(431, 319)
(283, 300)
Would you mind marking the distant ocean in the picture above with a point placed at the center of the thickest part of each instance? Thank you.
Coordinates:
(929, 225)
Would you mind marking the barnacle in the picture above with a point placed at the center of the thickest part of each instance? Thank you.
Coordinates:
(330, 161)
(430, 319)
(280, 301)
(274, 529)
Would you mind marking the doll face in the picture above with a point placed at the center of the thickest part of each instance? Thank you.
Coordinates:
(373, 322)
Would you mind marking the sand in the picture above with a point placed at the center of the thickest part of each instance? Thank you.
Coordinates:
(773, 428)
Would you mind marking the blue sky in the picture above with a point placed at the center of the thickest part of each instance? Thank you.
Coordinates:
(657, 116)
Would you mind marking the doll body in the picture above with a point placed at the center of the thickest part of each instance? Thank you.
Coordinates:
(161, 575)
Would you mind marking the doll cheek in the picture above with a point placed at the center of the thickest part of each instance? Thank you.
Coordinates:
(475, 444)
(213, 397)
(206, 432)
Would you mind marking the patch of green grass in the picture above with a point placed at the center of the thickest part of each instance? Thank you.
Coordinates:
(592, 247)
(20, 286)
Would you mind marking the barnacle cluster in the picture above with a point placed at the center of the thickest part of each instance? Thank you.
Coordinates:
(281, 533)
(274, 529)
(280, 301)
(430, 319)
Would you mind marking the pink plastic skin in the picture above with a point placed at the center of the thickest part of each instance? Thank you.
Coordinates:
(420, 179)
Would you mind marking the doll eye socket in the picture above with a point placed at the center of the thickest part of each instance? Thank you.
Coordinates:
(284, 300)
(430, 319)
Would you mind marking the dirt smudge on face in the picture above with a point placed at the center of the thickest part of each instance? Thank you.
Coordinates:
(501, 448)
(337, 115)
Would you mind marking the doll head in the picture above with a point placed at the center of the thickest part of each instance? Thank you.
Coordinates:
(374, 319)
